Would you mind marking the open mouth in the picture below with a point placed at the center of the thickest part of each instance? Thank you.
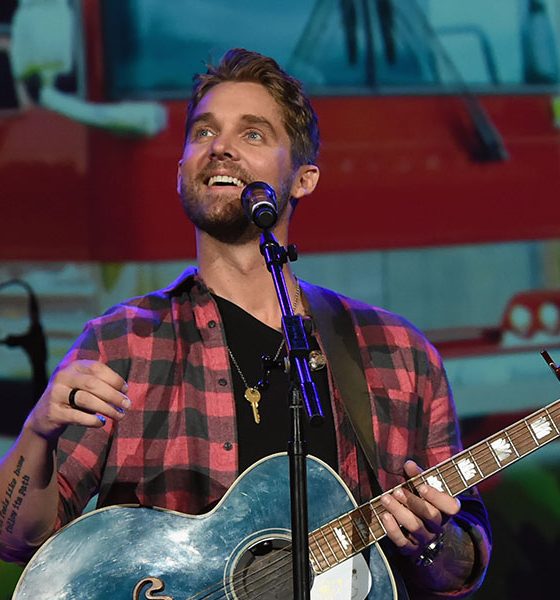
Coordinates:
(224, 181)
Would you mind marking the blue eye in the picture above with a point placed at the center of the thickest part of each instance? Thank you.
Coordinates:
(254, 136)
(202, 132)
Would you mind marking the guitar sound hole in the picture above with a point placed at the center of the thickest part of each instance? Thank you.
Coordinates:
(264, 572)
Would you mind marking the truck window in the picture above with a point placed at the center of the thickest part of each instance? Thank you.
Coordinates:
(349, 47)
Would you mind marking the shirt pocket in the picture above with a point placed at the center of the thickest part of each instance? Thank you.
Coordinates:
(399, 417)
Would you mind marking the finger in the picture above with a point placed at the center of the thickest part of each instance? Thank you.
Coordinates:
(102, 372)
(49, 418)
(395, 505)
(446, 504)
(395, 533)
(98, 380)
(105, 401)
(86, 419)
(442, 501)
(430, 515)
(412, 469)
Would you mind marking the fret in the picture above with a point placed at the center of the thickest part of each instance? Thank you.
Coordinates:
(363, 526)
(512, 444)
(557, 413)
(532, 434)
(349, 525)
(493, 453)
(327, 564)
(542, 428)
(468, 470)
(374, 510)
(480, 456)
(444, 482)
(342, 538)
(552, 421)
(475, 462)
(409, 485)
(459, 472)
(453, 483)
(368, 523)
(325, 537)
(335, 544)
(504, 448)
(315, 566)
(358, 524)
(433, 480)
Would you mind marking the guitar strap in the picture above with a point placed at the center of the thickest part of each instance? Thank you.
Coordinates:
(338, 337)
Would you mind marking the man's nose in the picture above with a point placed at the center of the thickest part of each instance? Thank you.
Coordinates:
(223, 147)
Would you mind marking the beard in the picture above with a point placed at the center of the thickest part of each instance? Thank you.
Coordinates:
(222, 217)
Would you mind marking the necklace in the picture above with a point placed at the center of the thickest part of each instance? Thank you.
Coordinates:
(252, 392)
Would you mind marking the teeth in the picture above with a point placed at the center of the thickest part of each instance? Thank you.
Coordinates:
(225, 179)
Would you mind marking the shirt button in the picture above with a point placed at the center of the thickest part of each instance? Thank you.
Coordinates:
(228, 446)
(222, 382)
(212, 324)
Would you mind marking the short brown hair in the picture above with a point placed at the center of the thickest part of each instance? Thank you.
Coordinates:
(300, 120)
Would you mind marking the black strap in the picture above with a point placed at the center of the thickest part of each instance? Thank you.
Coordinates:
(338, 336)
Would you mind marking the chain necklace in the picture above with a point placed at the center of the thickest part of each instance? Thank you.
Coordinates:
(252, 392)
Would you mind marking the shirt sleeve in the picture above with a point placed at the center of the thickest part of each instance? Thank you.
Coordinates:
(81, 451)
(442, 442)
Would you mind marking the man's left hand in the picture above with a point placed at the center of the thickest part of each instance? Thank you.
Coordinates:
(412, 522)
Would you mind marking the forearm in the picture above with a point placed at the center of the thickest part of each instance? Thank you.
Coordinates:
(28, 495)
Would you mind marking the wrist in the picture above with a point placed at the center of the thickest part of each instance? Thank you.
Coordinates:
(451, 564)
(431, 551)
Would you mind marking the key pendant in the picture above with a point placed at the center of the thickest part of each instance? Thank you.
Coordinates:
(253, 396)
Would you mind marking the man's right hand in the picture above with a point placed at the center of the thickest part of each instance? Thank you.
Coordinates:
(101, 394)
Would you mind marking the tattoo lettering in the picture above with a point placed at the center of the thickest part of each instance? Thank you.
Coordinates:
(13, 498)
(6, 501)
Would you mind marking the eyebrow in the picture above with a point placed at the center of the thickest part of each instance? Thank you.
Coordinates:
(248, 119)
(259, 120)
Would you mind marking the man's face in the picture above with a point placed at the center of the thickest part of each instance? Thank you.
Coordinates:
(237, 136)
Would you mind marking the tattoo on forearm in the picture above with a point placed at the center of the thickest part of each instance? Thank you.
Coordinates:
(13, 497)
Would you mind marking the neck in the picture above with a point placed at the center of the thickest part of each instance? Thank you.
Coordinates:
(238, 273)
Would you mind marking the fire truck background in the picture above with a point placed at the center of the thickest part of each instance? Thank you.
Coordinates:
(440, 171)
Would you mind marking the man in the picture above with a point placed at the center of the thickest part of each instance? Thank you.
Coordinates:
(150, 406)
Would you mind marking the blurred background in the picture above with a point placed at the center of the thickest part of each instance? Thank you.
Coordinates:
(439, 194)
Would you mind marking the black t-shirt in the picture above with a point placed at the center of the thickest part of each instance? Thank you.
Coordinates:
(248, 339)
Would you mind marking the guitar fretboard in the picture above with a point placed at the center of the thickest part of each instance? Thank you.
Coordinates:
(353, 532)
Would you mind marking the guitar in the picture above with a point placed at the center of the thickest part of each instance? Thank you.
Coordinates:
(241, 549)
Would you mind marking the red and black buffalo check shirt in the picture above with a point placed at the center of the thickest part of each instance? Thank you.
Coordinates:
(177, 446)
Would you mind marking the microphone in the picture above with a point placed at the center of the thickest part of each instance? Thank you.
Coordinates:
(259, 203)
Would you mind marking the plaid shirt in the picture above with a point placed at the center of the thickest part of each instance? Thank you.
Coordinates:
(177, 446)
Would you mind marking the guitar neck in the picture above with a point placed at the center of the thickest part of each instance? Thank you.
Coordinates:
(353, 532)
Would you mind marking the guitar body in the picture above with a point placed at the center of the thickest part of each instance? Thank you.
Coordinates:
(233, 552)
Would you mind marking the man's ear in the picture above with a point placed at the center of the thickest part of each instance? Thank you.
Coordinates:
(305, 181)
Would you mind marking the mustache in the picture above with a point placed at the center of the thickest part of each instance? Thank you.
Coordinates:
(232, 169)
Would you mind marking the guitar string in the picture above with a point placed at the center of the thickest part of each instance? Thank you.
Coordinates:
(514, 432)
(490, 464)
(262, 575)
(519, 436)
